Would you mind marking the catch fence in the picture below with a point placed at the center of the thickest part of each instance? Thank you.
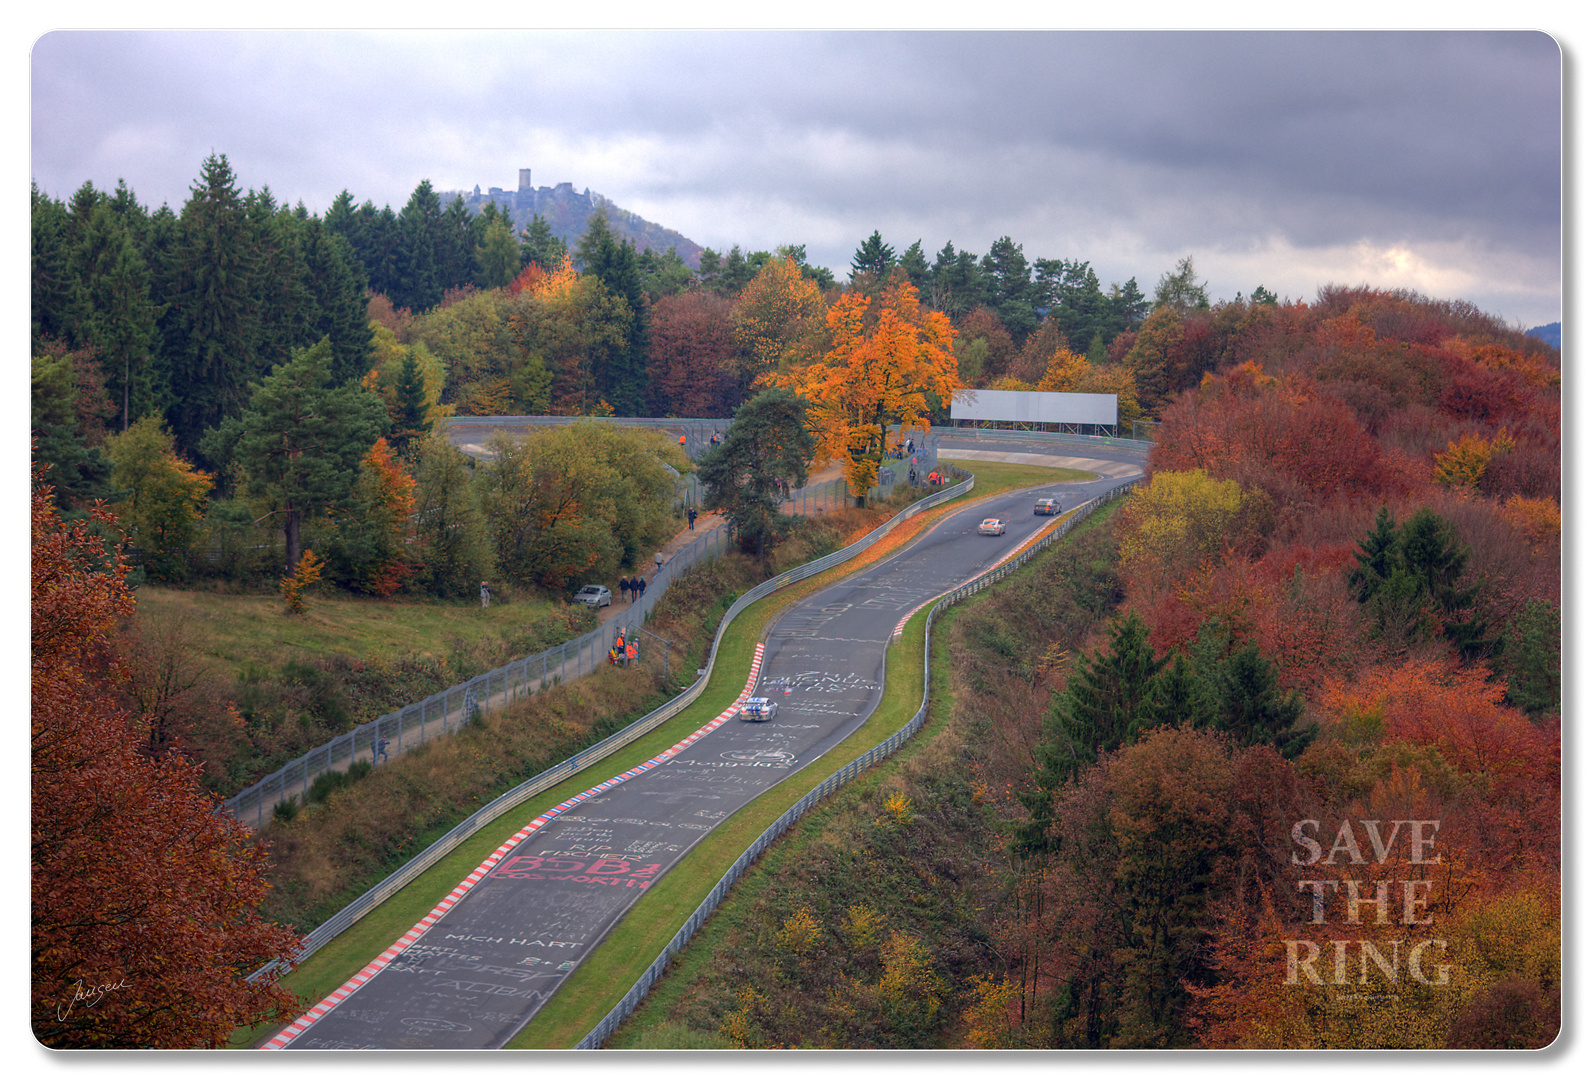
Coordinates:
(379, 741)
(438, 850)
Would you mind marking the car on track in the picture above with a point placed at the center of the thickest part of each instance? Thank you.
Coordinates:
(758, 708)
(1046, 507)
(992, 527)
(596, 596)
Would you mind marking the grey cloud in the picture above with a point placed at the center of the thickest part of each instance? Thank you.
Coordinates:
(1157, 143)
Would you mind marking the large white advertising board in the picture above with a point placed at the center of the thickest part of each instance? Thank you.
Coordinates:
(1033, 407)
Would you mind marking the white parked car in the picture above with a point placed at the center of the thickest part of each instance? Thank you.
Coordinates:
(758, 708)
(596, 596)
(992, 527)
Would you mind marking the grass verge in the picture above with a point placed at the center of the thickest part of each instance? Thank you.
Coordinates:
(640, 937)
(635, 943)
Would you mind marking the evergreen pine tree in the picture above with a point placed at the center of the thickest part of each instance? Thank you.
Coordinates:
(1531, 659)
(411, 421)
(216, 307)
(1251, 708)
(1109, 699)
(302, 438)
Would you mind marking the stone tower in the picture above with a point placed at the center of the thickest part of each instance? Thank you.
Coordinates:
(525, 179)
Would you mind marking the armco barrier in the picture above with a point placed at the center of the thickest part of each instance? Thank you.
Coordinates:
(455, 707)
(558, 773)
(448, 710)
(1014, 435)
(595, 1038)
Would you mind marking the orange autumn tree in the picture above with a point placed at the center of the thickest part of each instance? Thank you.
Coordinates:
(145, 899)
(541, 283)
(389, 494)
(889, 361)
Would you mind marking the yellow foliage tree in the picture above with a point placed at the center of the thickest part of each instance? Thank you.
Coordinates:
(1538, 519)
(890, 360)
(1462, 464)
(386, 373)
(542, 284)
(1180, 515)
(775, 318)
(1010, 382)
(1114, 379)
(989, 1019)
(306, 574)
(166, 495)
(1064, 372)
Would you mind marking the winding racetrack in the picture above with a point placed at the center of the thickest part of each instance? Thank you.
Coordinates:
(476, 971)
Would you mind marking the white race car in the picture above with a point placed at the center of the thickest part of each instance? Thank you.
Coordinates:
(758, 708)
(992, 527)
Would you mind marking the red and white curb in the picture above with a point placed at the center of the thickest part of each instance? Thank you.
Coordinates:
(336, 997)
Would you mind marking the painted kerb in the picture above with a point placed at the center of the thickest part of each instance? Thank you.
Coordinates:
(595, 1038)
(406, 874)
(454, 708)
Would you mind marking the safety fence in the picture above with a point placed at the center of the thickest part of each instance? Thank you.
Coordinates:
(599, 1034)
(377, 741)
(439, 849)
(1136, 444)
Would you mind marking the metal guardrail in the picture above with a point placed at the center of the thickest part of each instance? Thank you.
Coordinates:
(440, 848)
(1014, 435)
(451, 709)
(595, 1038)
(378, 740)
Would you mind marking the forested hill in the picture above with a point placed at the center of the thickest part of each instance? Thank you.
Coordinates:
(568, 211)
(1548, 333)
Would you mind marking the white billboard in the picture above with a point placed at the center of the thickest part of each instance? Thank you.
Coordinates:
(1033, 407)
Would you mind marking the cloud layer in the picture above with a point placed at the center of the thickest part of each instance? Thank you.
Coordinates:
(1428, 161)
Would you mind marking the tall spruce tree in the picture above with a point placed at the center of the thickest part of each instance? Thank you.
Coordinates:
(214, 350)
(1109, 698)
(419, 276)
(1251, 707)
(336, 294)
(612, 261)
(119, 318)
(1408, 579)
(873, 259)
(301, 440)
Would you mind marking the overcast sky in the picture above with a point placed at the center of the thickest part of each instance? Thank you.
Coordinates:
(1427, 161)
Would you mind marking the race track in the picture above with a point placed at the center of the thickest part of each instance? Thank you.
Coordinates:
(511, 934)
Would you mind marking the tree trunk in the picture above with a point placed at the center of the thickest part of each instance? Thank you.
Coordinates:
(290, 530)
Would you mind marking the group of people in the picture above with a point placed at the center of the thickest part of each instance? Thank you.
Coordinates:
(622, 651)
(632, 588)
(900, 452)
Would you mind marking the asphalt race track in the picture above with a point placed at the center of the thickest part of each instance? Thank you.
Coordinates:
(480, 972)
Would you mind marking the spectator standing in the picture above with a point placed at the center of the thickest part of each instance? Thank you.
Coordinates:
(657, 561)
(691, 516)
(486, 595)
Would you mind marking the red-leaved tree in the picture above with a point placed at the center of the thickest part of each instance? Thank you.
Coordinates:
(145, 898)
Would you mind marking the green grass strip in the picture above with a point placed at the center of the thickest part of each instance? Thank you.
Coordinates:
(339, 960)
(624, 956)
